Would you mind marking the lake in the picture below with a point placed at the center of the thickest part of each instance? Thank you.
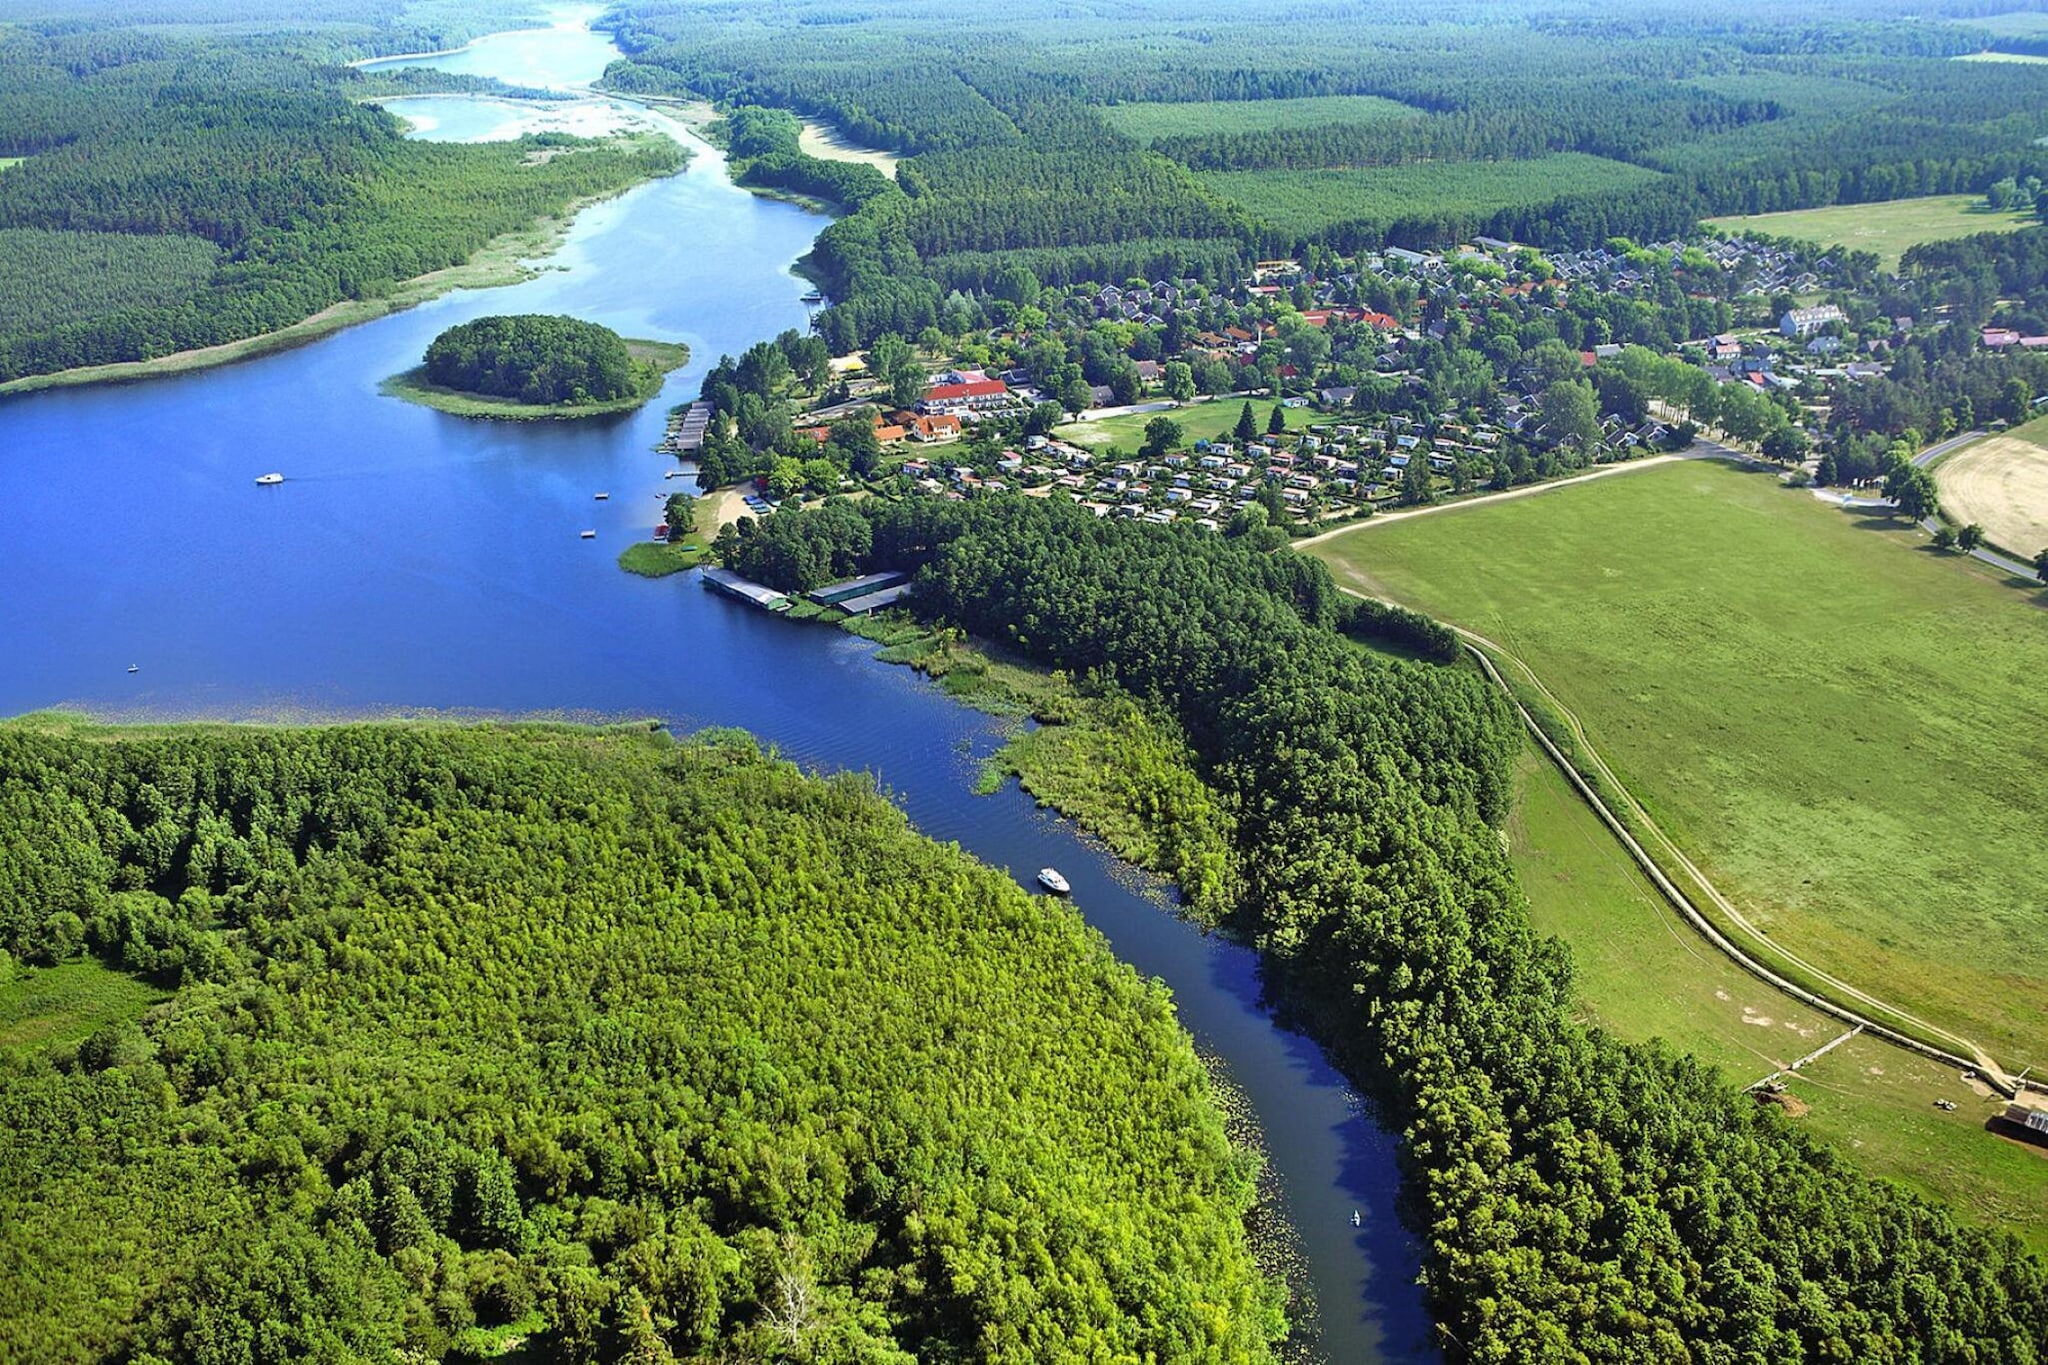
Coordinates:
(417, 562)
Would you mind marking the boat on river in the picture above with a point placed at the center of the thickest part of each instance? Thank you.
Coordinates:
(270, 480)
(1051, 880)
(589, 535)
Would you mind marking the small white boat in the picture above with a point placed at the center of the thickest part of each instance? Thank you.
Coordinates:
(270, 480)
(135, 668)
(603, 497)
(1051, 880)
(1354, 1218)
(589, 535)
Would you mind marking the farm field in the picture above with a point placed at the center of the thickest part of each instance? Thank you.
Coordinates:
(2001, 483)
(1310, 201)
(1642, 973)
(2023, 58)
(1787, 690)
(1886, 228)
(1198, 422)
(1150, 122)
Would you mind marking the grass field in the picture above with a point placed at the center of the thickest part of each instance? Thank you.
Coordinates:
(1150, 122)
(1833, 721)
(2022, 58)
(6, 161)
(2019, 24)
(64, 1005)
(1309, 201)
(1198, 422)
(1886, 228)
(2001, 483)
(1642, 973)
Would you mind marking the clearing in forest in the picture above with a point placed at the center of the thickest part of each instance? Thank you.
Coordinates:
(2002, 485)
(1307, 202)
(1826, 716)
(1886, 228)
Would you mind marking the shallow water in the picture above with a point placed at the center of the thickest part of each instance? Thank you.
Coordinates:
(416, 561)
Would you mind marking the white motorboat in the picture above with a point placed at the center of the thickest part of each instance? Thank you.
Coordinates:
(589, 535)
(1051, 880)
(270, 480)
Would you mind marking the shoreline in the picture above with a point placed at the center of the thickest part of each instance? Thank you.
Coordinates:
(510, 258)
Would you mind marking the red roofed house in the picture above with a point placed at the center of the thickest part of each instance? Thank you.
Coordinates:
(944, 427)
(971, 396)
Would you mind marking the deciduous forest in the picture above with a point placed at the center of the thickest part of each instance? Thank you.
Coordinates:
(641, 1050)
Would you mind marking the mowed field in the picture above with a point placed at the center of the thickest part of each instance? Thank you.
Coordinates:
(1198, 422)
(2001, 483)
(1150, 122)
(1836, 723)
(1643, 973)
(1886, 228)
(1309, 201)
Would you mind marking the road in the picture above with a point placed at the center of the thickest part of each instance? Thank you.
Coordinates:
(1992, 557)
(1698, 450)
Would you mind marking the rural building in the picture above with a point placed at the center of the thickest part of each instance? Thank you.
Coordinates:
(971, 395)
(1804, 322)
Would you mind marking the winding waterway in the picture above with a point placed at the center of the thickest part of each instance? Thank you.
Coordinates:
(420, 562)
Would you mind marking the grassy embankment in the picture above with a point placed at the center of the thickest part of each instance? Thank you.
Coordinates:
(1150, 122)
(1644, 973)
(652, 359)
(507, 259)
(1885, 229)
(1306, 202)
(1198, 422)
(1826, 717)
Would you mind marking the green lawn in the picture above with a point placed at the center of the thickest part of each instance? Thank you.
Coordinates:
(1643, 973)
(64, 1005)
(1886, 228)
(1198, 422)
(1838, 725)
(6, 161)
(1309, 201)
(1150, 122)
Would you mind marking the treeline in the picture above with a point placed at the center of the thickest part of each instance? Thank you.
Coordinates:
(1577, 1197)
(491, 1035)
(531, 358)
(304, 198)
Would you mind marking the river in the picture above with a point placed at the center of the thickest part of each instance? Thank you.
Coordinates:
(418, 562)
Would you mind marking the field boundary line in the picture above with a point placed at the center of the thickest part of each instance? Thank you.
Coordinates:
(1977, 1059)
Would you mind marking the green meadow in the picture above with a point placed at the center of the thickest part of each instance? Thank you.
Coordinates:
(1151, 122)
(1836, 722)
(1887, 228)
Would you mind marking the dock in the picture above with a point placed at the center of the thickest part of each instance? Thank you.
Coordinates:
(745, 590)
(846, 590)
(686, 429)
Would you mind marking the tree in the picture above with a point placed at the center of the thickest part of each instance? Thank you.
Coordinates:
(2041, 566)
(1912, 492)
(1180, 380)
(1162, 434)
(1571, 412)
(1416, 486)
(1787, 445)
(1970, 537)
(1944, 537)
(1247, 429)
(680, 513)
(1277, 423)
(785, 478)
(2016, 401)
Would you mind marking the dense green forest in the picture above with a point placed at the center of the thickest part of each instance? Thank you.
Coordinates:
(644, 1051)
(537, 359)
(185, 188)
(1690, 112)
(1579, 1198)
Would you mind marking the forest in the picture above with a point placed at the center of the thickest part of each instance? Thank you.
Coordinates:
(638, 1050)
(1560, 125)
(535, 359)
(1578, 1198)
(183, 190)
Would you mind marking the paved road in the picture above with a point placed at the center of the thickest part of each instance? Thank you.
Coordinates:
(1992, 557)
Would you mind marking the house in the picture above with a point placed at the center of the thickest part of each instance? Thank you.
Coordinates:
(1824, 345)
(1339, 397)
(1804, 322)
(966, 395)
(944, 427)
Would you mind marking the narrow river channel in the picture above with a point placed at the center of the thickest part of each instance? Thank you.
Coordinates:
(423, 563)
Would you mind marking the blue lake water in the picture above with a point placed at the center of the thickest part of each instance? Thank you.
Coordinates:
(419, 562)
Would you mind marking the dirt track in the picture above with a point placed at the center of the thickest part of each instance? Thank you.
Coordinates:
(2001, 484)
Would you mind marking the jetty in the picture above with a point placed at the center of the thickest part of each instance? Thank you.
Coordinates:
(686, 429)
(745, 590)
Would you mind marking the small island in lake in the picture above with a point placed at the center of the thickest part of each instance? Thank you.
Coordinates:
(530, 365)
